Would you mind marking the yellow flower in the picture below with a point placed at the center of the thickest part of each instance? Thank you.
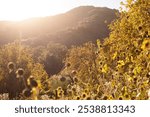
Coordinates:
(110, 98)
(129, 78)
(120, 63)
(98, 43)
(124, 90)
(113, 83)
(132, 60)
(35, 93)
(135, 43)
(114, 55)
(105, 68)
(137, 70)
(146, 44)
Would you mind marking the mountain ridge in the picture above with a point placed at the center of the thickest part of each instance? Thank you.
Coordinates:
(79, 25)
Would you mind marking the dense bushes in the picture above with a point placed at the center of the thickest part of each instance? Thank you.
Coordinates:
(121, 64)
(21, 57)
(118, 69)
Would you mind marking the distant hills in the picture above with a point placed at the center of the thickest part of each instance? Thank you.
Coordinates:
(79, 25)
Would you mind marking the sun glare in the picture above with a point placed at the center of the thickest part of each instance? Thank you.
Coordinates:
(17, 10)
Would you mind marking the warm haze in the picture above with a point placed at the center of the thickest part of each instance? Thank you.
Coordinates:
(16, 10)
(86, 53)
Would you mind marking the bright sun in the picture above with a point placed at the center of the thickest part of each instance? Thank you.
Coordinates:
(23, 9)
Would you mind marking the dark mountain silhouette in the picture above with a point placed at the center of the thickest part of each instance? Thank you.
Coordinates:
(79, 25)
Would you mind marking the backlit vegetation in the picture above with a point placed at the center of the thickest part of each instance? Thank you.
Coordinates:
(116, 69)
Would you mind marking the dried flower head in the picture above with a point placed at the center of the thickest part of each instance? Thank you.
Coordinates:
(68, 65)
(120, 98)
(27, 92)
(32, 82)
(11, 66)
(73, 72)
(75, 79)
(62, 79)
(105, 97)
(20, 72)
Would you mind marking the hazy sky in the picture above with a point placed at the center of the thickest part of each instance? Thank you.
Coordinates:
(23, 9)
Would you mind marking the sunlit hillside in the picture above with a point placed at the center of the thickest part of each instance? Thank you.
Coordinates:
(75, 27)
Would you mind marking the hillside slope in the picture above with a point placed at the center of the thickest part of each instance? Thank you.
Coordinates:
(79, 25)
